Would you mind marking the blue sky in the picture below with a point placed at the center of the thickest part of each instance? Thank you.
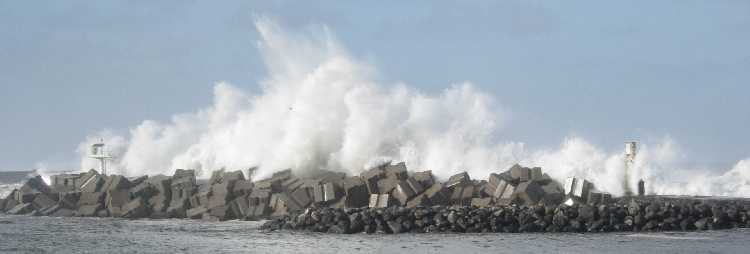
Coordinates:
(605, 71)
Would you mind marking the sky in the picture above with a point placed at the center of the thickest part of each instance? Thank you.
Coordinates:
(606, 71)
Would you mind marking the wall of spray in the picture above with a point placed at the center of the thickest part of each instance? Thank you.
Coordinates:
(319, 108)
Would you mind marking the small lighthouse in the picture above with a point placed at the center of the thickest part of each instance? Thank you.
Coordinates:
(99, 152)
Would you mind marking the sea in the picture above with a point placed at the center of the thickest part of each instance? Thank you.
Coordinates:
(26, 234)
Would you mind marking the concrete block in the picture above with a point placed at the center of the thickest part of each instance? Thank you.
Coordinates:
(403, 192)
(371, 178)
(458, 179)
(88, 210)
(481, 202)
(536, 173)
(2, 205)
(260, 211)
(114, 201)
(21, 209)
(63, 212)
(331, 192)
(90, 182)
(419, 200)
(397, 171)
(594, 198)
(519, 173)
(606, 198)
(240, 207)
(301, 197)
(507, 197)
(196, 212)
(355, 193)
(136, 208)
(221, 212)
(500, 189)
(291, 184)
(462, 195)
(438, 194)
(116, 182)
(242, 187)
(30, 189)
(9, 204)
(424, 178)
(530, 193)
(580, 189)
(415, 185)
(386, 185)
(64, 182)
(373, 200)
(318, 195)
(385, 200)
(42, 201)
(49, 210)
(325, 176)
(68, 199)
(553, 194)
(143, 190)
(137, 180)
(219, 195)
(178, 208)
(91, 198)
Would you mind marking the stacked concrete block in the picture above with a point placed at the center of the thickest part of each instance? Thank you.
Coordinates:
(458, 179)
(397, 171)
(160, 200)
(481, 202)
(438, 194)
(21, 209)
(114, 201)
(403, 192)
(380, 200)
(424, 178)
(64, 182)
(371, 178)
(528, 193)
(42, 201)
(577, 188)
(355, 193)
(240, 206)
(90, 181)
(506, 197)
(420, 200)
(33, 187)
(520, 174)
(116, 182)
(90, 203)
(415, 185)
(182, 188)
(386, 185)
(462, 195)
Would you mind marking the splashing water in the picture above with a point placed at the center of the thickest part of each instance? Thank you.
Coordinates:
(321, 108)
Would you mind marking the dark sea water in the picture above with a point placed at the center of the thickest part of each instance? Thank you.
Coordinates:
(24, 234)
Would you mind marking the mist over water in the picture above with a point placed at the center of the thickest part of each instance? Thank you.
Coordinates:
(320, 108)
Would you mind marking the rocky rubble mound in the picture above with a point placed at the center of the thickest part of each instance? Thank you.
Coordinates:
(637, 215)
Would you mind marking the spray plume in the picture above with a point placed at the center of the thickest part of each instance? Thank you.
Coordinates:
(319, 108)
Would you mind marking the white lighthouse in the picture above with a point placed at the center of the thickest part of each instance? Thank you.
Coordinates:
(631, 149)
(99, 152)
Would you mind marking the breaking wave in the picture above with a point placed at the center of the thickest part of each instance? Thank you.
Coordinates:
(321, 108)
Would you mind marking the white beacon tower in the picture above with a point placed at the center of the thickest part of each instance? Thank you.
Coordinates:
(631, 149)
(99, 152)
